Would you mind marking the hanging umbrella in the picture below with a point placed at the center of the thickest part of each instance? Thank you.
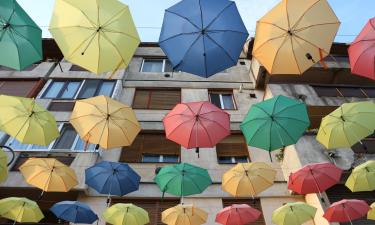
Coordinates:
(112, 178)
(20, 37)
(126, 214)
(99, 36)
(371, 213)
(183, 179)
(294, 35)
(248, 179)
(104, 121)
(20, 210)
(3, 165)
(314, 178)
(74, 212)
(184, 215)
(25, 120)
(275, 123)
(48, 174)
(237, 214)
(362, 177)
(362, 52)
(347, 125)
(295, 213)
(197, 125)
(203, 37)
(346, 211)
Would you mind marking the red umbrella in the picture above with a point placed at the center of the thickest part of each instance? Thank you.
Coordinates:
(346, 211)
(237, 214)
(197, 124)
(362, 52)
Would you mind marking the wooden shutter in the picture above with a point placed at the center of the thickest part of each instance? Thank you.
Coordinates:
(253, 203)
(316, 114)
(67, 160)
(141, 99)
(233, 145)
(17, 88)
(61, 106)
(156, 99)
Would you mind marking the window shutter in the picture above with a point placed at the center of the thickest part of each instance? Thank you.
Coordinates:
(141, 99)
(316, 114)
(253, 203)
(61, 106)
(233, 145)
(164, 99)
(17, 88)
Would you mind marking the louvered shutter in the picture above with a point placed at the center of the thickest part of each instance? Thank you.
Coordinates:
(141, 99)
(17, 88)
(233, 145)
(164, 99)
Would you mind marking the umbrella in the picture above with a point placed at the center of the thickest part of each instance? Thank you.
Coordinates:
(48, 174)
(20, 210)
(371, 213)
(347, 125)
(183, 179)
(248, 179)
(362, 177)
(3, 165)
(203, 37)
(294, 35)
(237, 214)
(25, 120)
(20, 37)
(361, 52)
(275, 123)
(74, 212)
(104, 121)
(126, 214)
(99, 36)
(184, 215)
(112, 178)
(197, 125)
(295, 213)
(346, 211)
(314, 178)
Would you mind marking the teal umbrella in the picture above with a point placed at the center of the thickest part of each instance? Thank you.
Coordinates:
(20, 37)
(275, 123)
(183, 179)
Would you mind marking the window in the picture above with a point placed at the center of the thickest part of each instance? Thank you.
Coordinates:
(316, 114)
(367, 146)
(156, 66)
(156, 99)
(151, 147)
(20, 88)
(232, 159)
(255, 203)
(356, 92)
(67, 160)
(223, 100)
(233, 149)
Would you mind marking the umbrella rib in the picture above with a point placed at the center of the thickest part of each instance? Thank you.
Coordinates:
(314, 25)
(209, 137)
(119, 32)
(303, 14)
(310, 43)
(225, 51)
(179, 126)
(177, 35)
(27, 25)
(79, 117)
(272, 24)
(93, 127)
(109, 21)
(114, 46)
(92, 104)
(365, 51)
(181, 61)
(251, 139)
(218, 15)
(83, 13)
(271, 39)
(214, 122)
(15, 42)
(286, 131)
(234, 31)
(127, 138)
(183, 17)
(294, 55)
(67, 27)
(80, 45)
(278, 50)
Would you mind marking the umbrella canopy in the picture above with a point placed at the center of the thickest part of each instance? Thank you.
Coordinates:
(362, 177)
(99, 36)
(3, 165)
(347, 125)
(126, 214)
(237, 214)
(314, 178)
(49, 175)
(275, 123)
(184, 215)
(203, 37)
(371, 213)
(362, 52)
(26, 121)
(294, 35)
(295, 213)
(20, 210)
(74, 212)
(20, 37)
(248, 179)
(112, 178)
(183, 179)
(346, 210)
(104, 121)
(197, 124)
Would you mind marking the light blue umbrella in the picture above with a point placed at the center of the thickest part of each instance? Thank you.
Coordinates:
(203, 37)
(75, 212)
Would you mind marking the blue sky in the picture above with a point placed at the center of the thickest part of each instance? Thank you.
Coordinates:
(148, 14)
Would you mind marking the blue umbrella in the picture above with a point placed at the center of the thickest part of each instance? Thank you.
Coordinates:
(112, 178)
(203, 37)
(75, 212)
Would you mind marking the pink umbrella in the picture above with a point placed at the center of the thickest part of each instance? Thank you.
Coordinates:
(346, 211)
(237, 214)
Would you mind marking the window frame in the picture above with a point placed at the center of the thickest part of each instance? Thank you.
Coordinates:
(233, 159)
(155, 59)
(340, 89)
(161, 158)
(221, 93)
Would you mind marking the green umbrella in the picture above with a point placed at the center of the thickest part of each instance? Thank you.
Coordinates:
(183, 179)
(20, 37)
(295, 213)
(275, 123)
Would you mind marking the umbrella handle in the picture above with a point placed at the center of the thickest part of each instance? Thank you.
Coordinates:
(13, 154)
(197, 151)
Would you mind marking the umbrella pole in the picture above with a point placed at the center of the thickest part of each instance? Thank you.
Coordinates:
(197, 151)
(269, 153)
(13, 154)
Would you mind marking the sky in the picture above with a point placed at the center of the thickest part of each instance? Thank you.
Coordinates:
(148, 15)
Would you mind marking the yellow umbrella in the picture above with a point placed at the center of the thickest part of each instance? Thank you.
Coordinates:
(294, 35)
(248, 179)
(3, 165)
(49, 175)
(371, 212)
(184, 215)
(26, 121)
(347, 125)
(126, 214)
(99, 36)
(104, 121)
(362, 177)
(295, 213)
(20, 210)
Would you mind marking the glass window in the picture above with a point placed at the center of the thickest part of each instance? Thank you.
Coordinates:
(170, 158)
(215, 99)
(225, 159)
(351, 92)
(83, 146)
(54, 89)
(168, 66)
(70, 90)
(106, 88)
(222, 100)
(151, 158)
(152, 65)
(89, 88)
(241, 159)
(227, 101)
(66, 138)
(16, 145)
